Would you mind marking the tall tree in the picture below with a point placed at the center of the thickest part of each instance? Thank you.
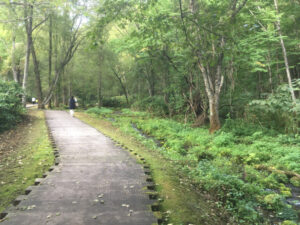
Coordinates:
(286, 62)
(28, 17)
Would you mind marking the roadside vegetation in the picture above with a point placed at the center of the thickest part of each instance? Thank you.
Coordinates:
(25, 154)
(11, 110)
(251, 172)
(180, 200)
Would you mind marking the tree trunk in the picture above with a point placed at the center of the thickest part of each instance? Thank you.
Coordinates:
(285, 56)
(100, 90)
(13, 57)
(150, 80)
(50, 56)
(214, 114)
(123, 85)
(270, 72)
(165, 89)
(259, 86)
(28, 26)
(37, 78)
(213, 94)
(59, 69)
(213, 88)
(19, 75)
(57, 93)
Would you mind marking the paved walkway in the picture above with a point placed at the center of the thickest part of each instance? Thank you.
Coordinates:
(95, 182)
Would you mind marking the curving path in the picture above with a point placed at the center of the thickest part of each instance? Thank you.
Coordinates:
(96, 182)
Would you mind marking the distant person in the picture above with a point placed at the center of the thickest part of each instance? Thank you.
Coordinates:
(72, 105)
(33, 100)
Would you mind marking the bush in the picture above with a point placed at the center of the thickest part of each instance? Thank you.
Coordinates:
(153, 104)
(11, 109)
(117, 101)
(224, 139)
(278, 111)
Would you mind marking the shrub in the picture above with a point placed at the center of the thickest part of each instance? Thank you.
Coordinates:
(11, 109)
(295, 181)
(278, 111)
(153, 104)
(223, 139)
(117, 101)
(273, 201)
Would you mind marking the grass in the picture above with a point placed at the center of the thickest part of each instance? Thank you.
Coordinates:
(27, 160)
(181, 202)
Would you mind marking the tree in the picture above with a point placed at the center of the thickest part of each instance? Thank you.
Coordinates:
(286, 62)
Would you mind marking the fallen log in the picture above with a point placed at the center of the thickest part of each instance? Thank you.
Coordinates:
(274, 170)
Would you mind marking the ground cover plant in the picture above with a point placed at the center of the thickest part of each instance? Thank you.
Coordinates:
(25, 154)
(251, 171)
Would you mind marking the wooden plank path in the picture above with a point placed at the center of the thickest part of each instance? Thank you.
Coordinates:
(95, 183)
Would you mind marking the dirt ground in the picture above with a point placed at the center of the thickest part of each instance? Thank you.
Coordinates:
(11, 139)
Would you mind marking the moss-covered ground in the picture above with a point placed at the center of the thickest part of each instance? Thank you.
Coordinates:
(25, 154)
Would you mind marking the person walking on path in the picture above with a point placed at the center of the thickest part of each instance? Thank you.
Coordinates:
(72, 105)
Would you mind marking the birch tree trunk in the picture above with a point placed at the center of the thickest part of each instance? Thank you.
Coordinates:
(213, 84)
(286, 62)
(213, 94)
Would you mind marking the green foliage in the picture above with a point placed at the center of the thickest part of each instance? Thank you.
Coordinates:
(117, 101)
(99, 111)
(278, 111)
(295, 181)
(287, 213)
(128, 112)
(154, 105)
(224, 139)
(225, 164)
(288, 222)
(273, 201)
(11, 109)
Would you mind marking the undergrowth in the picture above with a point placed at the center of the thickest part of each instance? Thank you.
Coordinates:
(249, 169)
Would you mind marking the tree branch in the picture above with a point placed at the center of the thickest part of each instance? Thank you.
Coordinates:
(237, 10)
(40, 23)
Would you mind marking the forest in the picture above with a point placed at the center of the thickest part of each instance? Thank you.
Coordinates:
(213, 86)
